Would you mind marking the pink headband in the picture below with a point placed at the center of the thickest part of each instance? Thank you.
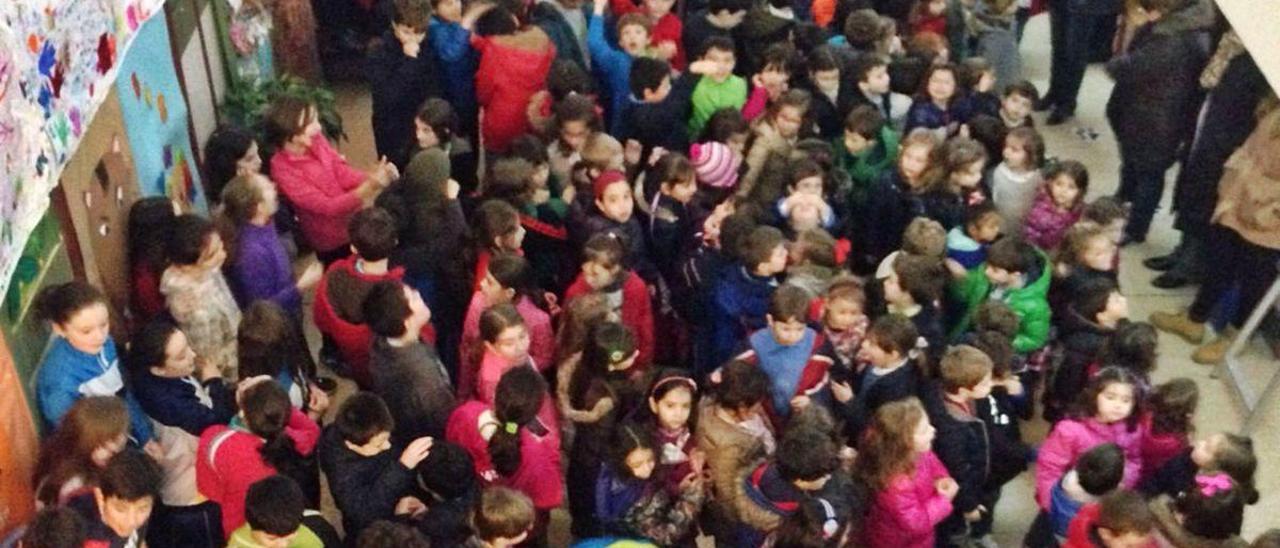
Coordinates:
(1213, 484)
(693, 386)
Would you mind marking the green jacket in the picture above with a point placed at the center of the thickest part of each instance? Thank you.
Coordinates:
(243, 538)
(1029, 302)
(710, 96)
(865, 168)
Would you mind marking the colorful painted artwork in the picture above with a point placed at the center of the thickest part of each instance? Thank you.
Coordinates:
(57, 62)
(155, 119)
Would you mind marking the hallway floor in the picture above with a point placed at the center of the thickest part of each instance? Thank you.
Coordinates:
(1220, 408)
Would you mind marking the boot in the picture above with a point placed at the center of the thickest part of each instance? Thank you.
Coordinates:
(1162, 263)
(1214, 352)
(1180, 324)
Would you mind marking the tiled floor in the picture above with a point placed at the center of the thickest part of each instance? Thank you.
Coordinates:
(1220, 409)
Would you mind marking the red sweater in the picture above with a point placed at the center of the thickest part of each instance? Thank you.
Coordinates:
(512, 68)
(321, 186)
(539, 473)
(637, 311)
(225, 471)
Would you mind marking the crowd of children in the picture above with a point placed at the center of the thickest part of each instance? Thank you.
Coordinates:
(750, 272)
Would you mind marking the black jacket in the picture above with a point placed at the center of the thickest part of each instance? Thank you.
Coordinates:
(1008, 453)
(415, 386)
(1157, 96)
(890, 208)
(1082, 340)
(963, 444)
(660, 124)
(548, 18)
(399, 84)
(365, 489)
(858, 412)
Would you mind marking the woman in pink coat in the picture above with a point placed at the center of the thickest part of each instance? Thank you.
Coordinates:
(1109, 417)
(913, 491)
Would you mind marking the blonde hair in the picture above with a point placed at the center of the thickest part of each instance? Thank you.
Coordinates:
(502, 513)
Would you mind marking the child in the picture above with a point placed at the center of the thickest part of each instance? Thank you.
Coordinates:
(1119, 520)
(269, 344)
(604, 271)
(1211, 513)
(977, 80)
(831, 100)
(341, 292)
(509, 280)
(613, 66)
(509, 445)
(791, 354)
(1016, 180)
(1106, 413)
(614, 216)
(449, 33)
(401, 77)
(148, 235)
(962, 442)
(366, 477)
(733, 432)
(274, 509)
(183, 396)
(450, 489)
(1168, 425)
(928, 16)
(671, 402)
(496, 229)
(514, 62)
(740, 297)
(1221, 452)
(601, 389)
(1097, 473)
(913, 491)
(323, 188)
(868, 148)
(1087, 254)
(1132, 347)
(720, 18)
(197, 294)
(997, 39)
(260, 267)
(1057, 205)
(574, 119)
(666, 28)
(894, 200)
(1000, 411)
(802, 468)
(1016, 105)
(1017, 274)
(92, 431)
(933, 108)
(912, 290)
(719, 88)
(631, 498)
(844, 320)
(503, 518)
(956, 182)
(891, 350)
(81, 360)
(775, 134)
(717, 168)
(670, 218)
(269, 436)
(657, 107)
(967, 244)
(805, 207)
(407, 372)
(1086, 325)
(871, 75)
(117, 512)
(814, 264)
(506, 347)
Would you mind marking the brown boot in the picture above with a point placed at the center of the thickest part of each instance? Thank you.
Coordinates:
(1216, 351)
(1180, 324)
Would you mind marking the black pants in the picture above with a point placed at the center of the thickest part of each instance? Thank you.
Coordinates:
(1234, 261)
(1071, 37)
(195, 526)
(1141, 187)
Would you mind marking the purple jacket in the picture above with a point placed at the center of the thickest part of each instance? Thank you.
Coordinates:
(1071, 438)
(1046, 224)
(261, 269)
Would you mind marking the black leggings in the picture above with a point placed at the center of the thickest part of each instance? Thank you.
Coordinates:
(1233, 260)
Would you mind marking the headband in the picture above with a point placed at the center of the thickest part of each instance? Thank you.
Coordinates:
(693, 386)
(1212, 484)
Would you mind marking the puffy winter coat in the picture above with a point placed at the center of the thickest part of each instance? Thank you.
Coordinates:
(905, 512)
(1071, 438)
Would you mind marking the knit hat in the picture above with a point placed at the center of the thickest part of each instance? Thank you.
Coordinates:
(605, 179)
(715, 163)
(428, 171)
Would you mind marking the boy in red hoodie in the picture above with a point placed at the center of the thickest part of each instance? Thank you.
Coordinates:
(604, 271)
(1121, 520)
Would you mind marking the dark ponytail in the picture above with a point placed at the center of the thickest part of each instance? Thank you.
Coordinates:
(515, 403)
(266, 413)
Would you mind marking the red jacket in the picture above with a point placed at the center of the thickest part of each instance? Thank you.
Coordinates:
(512, 68)
(1080, 532)
(228, 462)
(637, 311)
(321, 186)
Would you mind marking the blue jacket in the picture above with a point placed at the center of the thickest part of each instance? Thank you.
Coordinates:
(927, 115)
(67, 374)
(457, 64)
(965, 250)
(174, 402)
(613, 70)
(739, 303)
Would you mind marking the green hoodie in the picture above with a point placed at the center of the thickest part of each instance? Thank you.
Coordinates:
(865, 168)
(1030, 302)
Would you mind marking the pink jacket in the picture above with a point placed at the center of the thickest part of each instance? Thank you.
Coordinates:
(1157, 449)
(1046, 224)
(905, 513)
(1071, 438)
(542, 341)
(320, 184)
(492, 367)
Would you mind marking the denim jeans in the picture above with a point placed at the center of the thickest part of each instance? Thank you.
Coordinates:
(1141, 187)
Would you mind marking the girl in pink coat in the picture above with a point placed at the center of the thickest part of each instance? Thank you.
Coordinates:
(913, 489)
(1108, 413)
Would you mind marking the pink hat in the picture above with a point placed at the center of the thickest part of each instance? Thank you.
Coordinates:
(715, 163)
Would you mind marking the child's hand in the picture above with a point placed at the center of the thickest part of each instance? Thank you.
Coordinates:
(411, 49)
(569, 193)
(451, 189)
(842, 392)
(665, 50)
(154, 450)
(773, 81)
(310, 276)
(246, 384)
(702, 67)
(409, 506)
(206, 369)
(1013, 385)
(542, 196)
(947, 487)
(318, 403)
(600, 5)
(798, 403)
(975, 514)
(631, 152)
(474, 11)
(964, 130)
(697, 461)
(691, 481)
(416, 452)
(958, 271)
(656, 154)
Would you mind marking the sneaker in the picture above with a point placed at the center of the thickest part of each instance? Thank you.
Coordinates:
(1180, 324)
(1216, 351)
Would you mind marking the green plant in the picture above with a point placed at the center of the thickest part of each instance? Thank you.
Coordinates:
(246, 105)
